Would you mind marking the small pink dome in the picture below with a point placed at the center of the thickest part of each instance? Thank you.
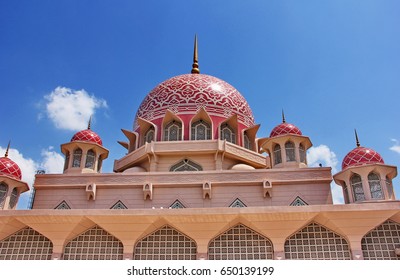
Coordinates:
(285, 128)
(10, 168)
(87, 135)
(361, 156)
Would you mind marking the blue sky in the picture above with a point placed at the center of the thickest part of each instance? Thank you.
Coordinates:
(333, 66)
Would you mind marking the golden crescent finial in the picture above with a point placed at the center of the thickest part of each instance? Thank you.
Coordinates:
(195, 65)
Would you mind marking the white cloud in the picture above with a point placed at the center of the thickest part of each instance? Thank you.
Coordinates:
(323, 155)
(71, 109)
(51, 162)
(396, 146)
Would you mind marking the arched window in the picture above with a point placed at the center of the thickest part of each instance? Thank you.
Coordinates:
(375, 186)
(346, 194)
(66, 161)
(389, 187)
(246, 141)
(99, 163)
(201, 130)
(13, 198)
(173, 131)
(290, 154)
(76, 162)
(227, 133)
(90, 159)
(149, 135)
(277, 154)
(302, 153)
(357, 187)
(3, 194)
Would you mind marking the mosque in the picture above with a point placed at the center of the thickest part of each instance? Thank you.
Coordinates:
(198, 183)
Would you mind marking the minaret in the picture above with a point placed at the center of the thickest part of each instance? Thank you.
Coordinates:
(195, 65)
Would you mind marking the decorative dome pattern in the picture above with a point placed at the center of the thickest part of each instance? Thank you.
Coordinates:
(10, 168)
(190, 92)
(285, 128)
(87, 135)
(361, 156)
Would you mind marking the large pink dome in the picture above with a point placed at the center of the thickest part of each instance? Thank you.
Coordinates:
(186, 94)
(10, 168)
(361, 156)
(87, 135)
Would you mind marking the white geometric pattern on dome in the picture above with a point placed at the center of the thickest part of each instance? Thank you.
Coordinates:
(187, 93)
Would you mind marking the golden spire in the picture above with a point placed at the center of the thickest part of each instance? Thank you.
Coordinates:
(357, 142)
(283, 116)
(90, 120)
(8, 148)
(195, 65)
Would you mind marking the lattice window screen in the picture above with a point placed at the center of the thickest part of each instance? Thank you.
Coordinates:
(315, 242)
(381, 242)
(240, 243)
(94, 244)
(165, 244)
(26, 244)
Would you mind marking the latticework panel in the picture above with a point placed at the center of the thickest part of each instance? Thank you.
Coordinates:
(240, 243)
(381, 242)
(26, 244)
(315, 242)
(94, 244)
(165, 244)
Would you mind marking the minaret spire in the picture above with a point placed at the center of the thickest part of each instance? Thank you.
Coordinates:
(90, 121)
(8, 148)
(195, 65)
(283, 116)
(357, 142)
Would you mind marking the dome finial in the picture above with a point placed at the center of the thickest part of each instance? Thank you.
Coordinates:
(89, 122)
(357, 142)
(195, 65)
(283, 116)
(8, 148)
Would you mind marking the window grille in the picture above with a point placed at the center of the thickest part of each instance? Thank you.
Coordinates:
(298, 202)
(302, 153)
(3, 194)
(26, 244)
(237, 203)
(165, 244)
(381, 242)
(290, 153)
(62, 206)
(357, 187)
(13, 198)
(240, 243)
(315, 242)
(76, 162)
(119, 205)
(94, 244)
(277, 154)
(90, 159)
(246, 142)
(389, 187)
(173, 131)
(66, 161)
(149, 136)
(201, 130)
(375, 186)
(227, 133)
(186, 165)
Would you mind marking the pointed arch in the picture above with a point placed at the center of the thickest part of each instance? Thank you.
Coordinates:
(166, 243)
(277, 154)
(119, 205)
(381, 242)
(3, 194)
(302, 153)
(94, 244)
(240, 243)
(62, 206)
(66, 162)
(177, 205)
(90, 159)
(249, 138)
(298, 202)
(147, 130)
(186, 165)
(357, 187)
(77, 157)
(375, 188)
(26, 244)
(228, 129)
(290, 151)
(13, 198)
(316, 242)
(237, 203)
(172, 127)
